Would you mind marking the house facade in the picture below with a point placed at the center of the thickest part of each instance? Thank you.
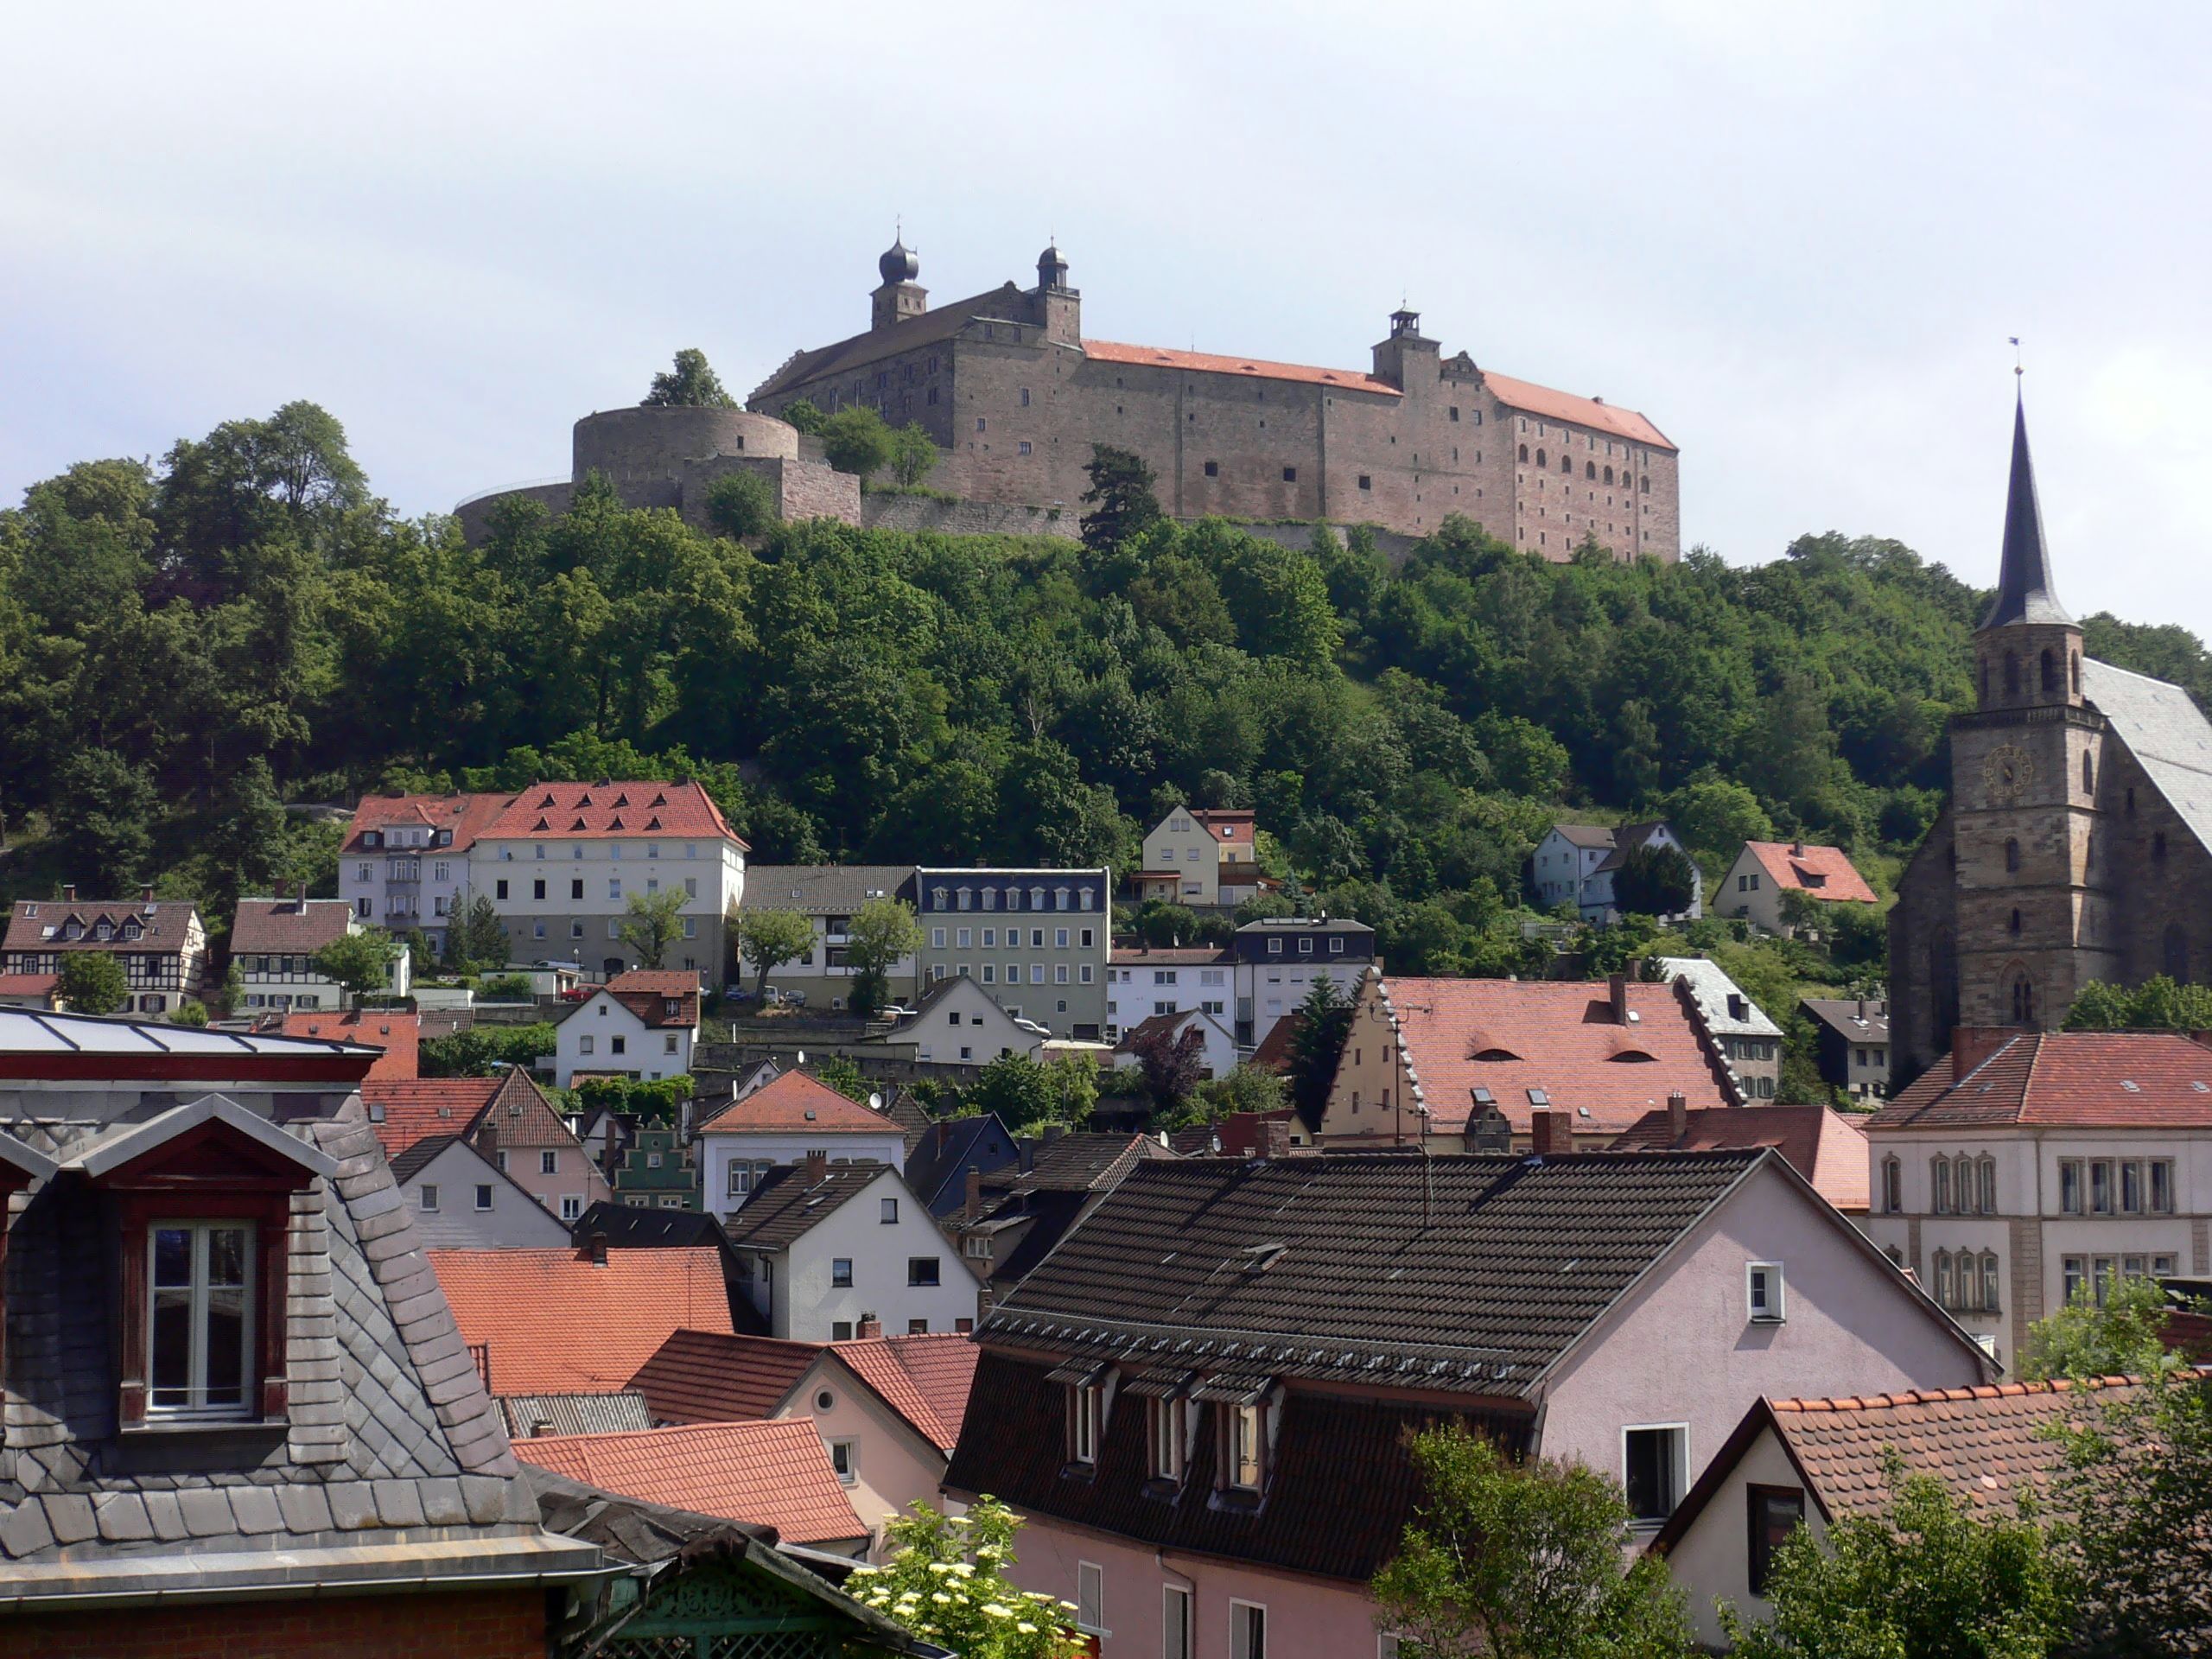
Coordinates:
(795, 1115)
(1144, 980)
(1035, 940)
(1764, 871)
(1275, 961)
(506, 1118)
(1216, 1048)
(1853, 1035)
(640, 1024)
(656, 1170)
(1748, 1041)
(404, 862)
(827, 895)
(463, 1201)
(2028, 1165)
(1205, 858)
(1564, 861)
(273, 946)
(1598, 902)
(957, 1022)
(161, 943)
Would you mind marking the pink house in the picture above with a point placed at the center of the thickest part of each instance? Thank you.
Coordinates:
(1198, 1400)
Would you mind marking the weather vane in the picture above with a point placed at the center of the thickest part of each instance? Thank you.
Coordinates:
(2018, 370)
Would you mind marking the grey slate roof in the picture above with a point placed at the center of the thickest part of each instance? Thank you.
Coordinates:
(1584, 834)
(2165, 731)
(1710, 988)
(1841, 1015)
(821, 889)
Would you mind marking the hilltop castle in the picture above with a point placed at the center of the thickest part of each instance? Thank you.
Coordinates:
(2077, 845)
(1015, 397)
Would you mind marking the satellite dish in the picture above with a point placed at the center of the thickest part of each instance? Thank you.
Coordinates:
(874, 1101)
(801, 1057)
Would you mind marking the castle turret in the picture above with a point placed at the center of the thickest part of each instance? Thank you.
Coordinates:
(1059, 307)
(1408, 357)
(901, 296)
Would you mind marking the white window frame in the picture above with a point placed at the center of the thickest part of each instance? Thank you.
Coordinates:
(197, 1302)
(1087, 1423)
(1166, 1433)
(849, 1450)
(1240, 1646)
(1175, 1630)
(1091, 1610)
(1770, 1306)
(1681, 1431)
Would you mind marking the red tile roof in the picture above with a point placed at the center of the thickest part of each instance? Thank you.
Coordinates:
(286, 926)
(1824, 872)
(2116, 1079)
(775, 1474)
(647, 992)
(1824, 1146)
(1557, 1037)
(925, 1379)
(558, 811)
(1526, 396)
(797, 1101)
(42, 985)
(1258, 368)
(707, 1376)
(1185, 955)
(1274, 1053)
(1227, 821)
(399, 1035)
(558, 1323)
(415, 1108)
(465, 815)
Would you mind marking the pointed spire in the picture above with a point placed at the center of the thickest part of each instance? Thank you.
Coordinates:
(2025, 592)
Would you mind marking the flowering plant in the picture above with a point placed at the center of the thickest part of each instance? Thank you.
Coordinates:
(948, 1584)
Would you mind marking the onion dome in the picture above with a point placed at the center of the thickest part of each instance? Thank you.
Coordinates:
(899, 263)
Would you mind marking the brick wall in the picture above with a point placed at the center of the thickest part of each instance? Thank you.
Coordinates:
(458, 1625)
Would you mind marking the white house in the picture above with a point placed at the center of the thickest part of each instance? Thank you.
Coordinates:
(1566, 859)
(641, 1024)
(827, 895)
(404, 862)
(782, 1123)
(1142, 981)
(1765, 870)
(827, 1246)
(1278, 959)
(1216, 1047)
(1204, 857)
(958, 1024)
(273, 946)
(461, 1200)
(1598, 903)
(1739, 1028)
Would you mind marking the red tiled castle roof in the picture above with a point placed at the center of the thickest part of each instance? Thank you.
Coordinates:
(562, 811)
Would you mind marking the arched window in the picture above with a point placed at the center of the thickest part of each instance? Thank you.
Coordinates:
(1892, 1185)
(1647, 484)
(2023, 1000)
(1985, 1185)
(2011, 675)
(1590, 469)
(1566, 464)
(1947, 1289)
(1540, 461)
(1939, 1173)
(1609, 475)
(2015, 923)
(2012, 856)
(2174, 954)
(1989, 1281)
(2088, 775)
(2050, 671)
(2077, 673)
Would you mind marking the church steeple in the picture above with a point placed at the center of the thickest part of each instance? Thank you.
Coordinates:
(2025, 592)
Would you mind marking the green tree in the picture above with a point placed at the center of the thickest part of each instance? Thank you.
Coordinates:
(845, 1077)
(1172, 1063)
(767, 939)
(2158, 1004)
(1246, 1088)
(1161, 924)
(1029, 1094)
(482, 1049)
(1716, 816)
(1654, 880)
(913, 454)
(651, 924)
(1317, 1044)
(881, 934)
(1928, 1579)
(103, 815)
(91, 982)
(690, 385)
(803, 415)
(741, 506)
(1120, 498)
(947, 1582)
(1522, 1560)
(189, 1012)
(2109, 1330)
(855, 439)
(475, 936)
(359, 961)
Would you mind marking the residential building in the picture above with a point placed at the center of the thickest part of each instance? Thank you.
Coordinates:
(2034, 1163)
(1827, 1147)
(1275, 961)
(404, 862)
(1564, 861)
(772, 1474)
(29, 991)
(1143, 980)
(463, 1201)
(888, 1409)
(507, 1118)
(1457, 1063)
(957, 1022)
(1748, 1041)
(831, 1245)
(238, 1417)
(1764, 871)
(640, 1024)
(794, 1116)
(1216, 1048)
(1013, 1216)
(562, 862)
(1852, 1034)
(396, 1036)
(827, 895)
(1201, 1400)
(1035, 940)
(658, 1170)
(1814, 1462)
(1203, 858)
(273, 946)
(938, 1166)
(161, 943)
(577, 1321)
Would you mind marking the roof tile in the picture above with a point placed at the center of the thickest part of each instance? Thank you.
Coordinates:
(775, 1474)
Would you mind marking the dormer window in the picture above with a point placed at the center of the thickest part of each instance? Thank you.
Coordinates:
(1242, 1466)
(200, 1321)
(103, 930)
(1167, 1420)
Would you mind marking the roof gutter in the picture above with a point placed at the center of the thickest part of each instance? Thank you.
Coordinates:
(198, 1592)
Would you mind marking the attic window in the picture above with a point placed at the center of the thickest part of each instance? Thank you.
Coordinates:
(1631, 1057)
(658, 800)
(584, 799)
(1538, 1097)
(1493, 1054)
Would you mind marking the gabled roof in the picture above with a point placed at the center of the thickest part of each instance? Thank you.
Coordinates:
(1275, 1050)
(38, 924)
(596, 811)
(2105, 1079)
(288, 925)
(707, 1377)
(1557, 1037)
(466, 815)
(1526, 396)
(1802, 867)
(1168, 956)
(823, 889)
(2165, 732)
(1006, 303)
(1170, 1023)
(649, 993)
(798, 1101)
(572, 1414)
(399, 1037)
(924, 1378)
(1725, 1006)
(938, 1163)
(1255, 368)
(775, 1474)
(555, 1322)
(405, 1110)
(1592, 837)
(1074, 1163)
(629, 1227)
(1824, 1146)
(785, 1207)
(1856, 1020)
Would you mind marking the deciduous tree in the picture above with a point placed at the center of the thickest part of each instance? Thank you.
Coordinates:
(651, 924)
(691, 383)
(91, 982)
(767, 939)
(359, 961)
(881, 934)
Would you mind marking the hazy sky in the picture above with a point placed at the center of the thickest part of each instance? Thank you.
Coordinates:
(1796, 237)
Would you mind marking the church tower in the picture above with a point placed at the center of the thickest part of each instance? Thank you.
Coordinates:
(2027, 770)
(899, 296)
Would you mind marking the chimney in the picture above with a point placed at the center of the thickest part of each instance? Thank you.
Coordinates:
(303, 896)
(1548, 1135)
(1054, 1131)
(1274, 1137)
(870, 1326)
(69, 893)
(1618, 986)
(1797, 847)
(818, 1168)
(598, 1247)
(539, 1429)
(1863, 1007)
(1678, 1117)
(973, 1207)
(1972, 1044)
(146, 893)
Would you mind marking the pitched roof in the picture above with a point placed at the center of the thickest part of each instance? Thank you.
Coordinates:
(2025, 593)
(1074, 1163)
(938, 1164)
(405, 1110)
(573, 1414)
(707, 1377)
(577, 811)
(2165, 732)
(398, 1037)
(2115, 1080)
(466, 815)
(37, 1043)
(1824, 872)
(38, 924)
(774, 1474)
(1526, 396)
(938, 322)
(785, 1207)
(1591, 836)
(1555, 1036)
(288, 925)
(1824, 1146)
(1275, 1051)
(1842, 1014)
(1167, 955)
(1256, 368)
(1276, 1262)
(556, 1322)
(628, 1226)
(797, 1101)
(648, 992)
(1166, 1022)
(1725, 1006)
(925, 1379)
(830, 889)
(37, 985)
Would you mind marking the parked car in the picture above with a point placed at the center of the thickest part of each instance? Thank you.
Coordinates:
(1033, 1028)
(895, 1012)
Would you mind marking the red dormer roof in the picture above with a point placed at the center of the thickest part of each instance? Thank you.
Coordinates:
(1823, 872)
(570, 810)
(399, 1035)
(797, 1102)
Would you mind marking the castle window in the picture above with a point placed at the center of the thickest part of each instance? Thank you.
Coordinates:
(1290, 475)
(1590, 469)
(2131, 798)
(1213, 469)
(2011, 675)
(1365, 483)
(2077, 673)
(1647, 483)
(2089, 776)
(1566, 464)
(1609, 479)
(1524, 452)
(2016, 921)
(1025, 396)
(1022, 448)
(2012, 856)
(2176, 954)
(1455, 411)
(2049, 672)
(932, 366)
(2158, 845)
(2023, 1000)
(1540, 458)
(933, 396)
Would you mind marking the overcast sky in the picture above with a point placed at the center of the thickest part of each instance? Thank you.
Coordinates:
(1796, 237)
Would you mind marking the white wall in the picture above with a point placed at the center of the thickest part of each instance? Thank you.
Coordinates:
(645, 1051)
(515, 1220)
(718, 1149)
(893, 1465)
(807, 1305)
(1712, 1560)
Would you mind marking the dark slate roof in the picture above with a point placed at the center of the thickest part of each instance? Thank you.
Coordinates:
(1841, 1015)
(1341, 1492)
(1051, 1215)
(1003, 303)
(1074, 1163)
(2025, 593)
(626, 1227)
(938, 1166)
(829, 889)
(784, 1206)
(1326, 1268)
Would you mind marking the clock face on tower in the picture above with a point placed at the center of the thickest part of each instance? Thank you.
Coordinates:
(2007, 774)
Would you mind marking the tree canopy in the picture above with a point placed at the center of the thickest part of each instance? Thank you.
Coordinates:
(692, 384)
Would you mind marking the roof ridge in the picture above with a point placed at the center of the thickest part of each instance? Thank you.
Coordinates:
(1898, 1397)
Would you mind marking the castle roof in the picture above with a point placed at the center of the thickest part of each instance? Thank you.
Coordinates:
(1161, 357)
(557, 811)
(939, 322)
(2024, 590)
(1531, 398)
(464, 814)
